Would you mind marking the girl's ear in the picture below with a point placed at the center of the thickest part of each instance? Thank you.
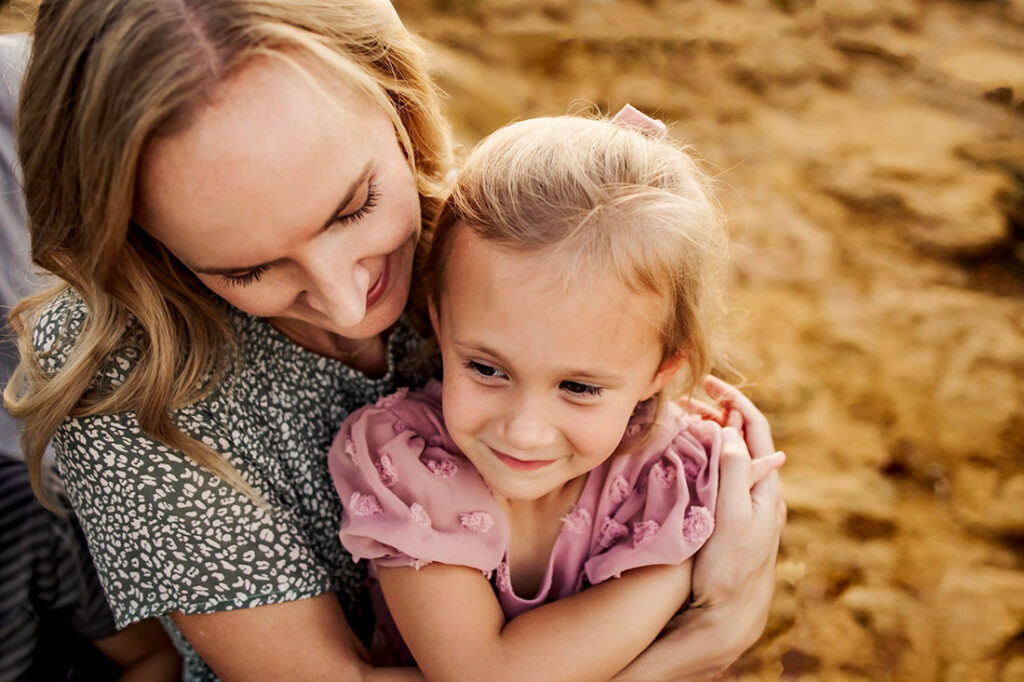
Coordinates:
(665, 372)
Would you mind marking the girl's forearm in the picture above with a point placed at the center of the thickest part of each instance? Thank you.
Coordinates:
(698, 644)
(590, 635)
(594, 634)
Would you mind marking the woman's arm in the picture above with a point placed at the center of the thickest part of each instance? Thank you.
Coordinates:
(734, 573)
(454, 625)
(307, 639)
(143, 651)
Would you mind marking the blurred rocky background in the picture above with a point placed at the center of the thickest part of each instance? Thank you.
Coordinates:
(871, 161)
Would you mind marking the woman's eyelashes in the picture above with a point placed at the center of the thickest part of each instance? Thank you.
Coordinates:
(245, 278)
(368, 204)
(372, 197)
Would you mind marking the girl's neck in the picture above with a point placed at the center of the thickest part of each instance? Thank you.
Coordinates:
(535, 526)
(554, 504)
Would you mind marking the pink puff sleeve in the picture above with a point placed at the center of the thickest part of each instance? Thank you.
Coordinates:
(657, 505)
(409, 497)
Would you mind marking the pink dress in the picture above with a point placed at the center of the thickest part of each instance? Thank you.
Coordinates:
(411, 498)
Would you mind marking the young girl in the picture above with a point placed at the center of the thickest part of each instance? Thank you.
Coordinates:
(573, 284)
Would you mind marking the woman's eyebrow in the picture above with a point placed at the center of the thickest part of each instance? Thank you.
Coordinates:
(345, 200)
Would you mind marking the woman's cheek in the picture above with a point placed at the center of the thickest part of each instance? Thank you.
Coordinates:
(261, 299)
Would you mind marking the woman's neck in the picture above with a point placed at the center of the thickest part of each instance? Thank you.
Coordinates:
(369, 356)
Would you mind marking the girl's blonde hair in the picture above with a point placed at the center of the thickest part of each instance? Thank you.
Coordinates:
(105, 79)
(599, 199)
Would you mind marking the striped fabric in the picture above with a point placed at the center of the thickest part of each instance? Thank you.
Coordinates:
(51, 602)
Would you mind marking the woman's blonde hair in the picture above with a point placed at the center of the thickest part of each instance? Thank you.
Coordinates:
(599, 199)
(105, 79)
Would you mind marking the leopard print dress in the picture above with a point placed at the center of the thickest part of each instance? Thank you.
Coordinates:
(167, 535)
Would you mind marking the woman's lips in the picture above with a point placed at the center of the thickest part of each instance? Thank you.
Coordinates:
(521, 464)
(378, 288)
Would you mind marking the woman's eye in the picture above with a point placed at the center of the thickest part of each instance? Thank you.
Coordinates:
(486, 371)
(579, 390)
(245, 278)
(372, 196)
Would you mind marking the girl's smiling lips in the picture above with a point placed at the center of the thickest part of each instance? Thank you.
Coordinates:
(521, 464)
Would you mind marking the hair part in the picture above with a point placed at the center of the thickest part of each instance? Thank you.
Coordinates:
(600, 200)
(103, 81)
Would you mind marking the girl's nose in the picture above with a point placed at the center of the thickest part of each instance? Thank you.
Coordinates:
(527, 427)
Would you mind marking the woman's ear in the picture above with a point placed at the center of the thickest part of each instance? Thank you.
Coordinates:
(668, 368)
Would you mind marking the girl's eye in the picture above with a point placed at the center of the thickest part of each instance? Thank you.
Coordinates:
(578, 390)
(245, 278)
(372, 196)
(486, 371)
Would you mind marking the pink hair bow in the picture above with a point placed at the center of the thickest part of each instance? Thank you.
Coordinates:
(631, 117)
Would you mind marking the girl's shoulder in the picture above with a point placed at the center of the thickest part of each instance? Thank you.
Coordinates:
(653, 504)
(410, 497)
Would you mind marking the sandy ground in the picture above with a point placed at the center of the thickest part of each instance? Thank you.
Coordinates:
(871, 159)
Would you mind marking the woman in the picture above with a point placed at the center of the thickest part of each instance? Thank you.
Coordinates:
(234, 191)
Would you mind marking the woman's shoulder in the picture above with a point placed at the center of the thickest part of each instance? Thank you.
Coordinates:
(57, 327)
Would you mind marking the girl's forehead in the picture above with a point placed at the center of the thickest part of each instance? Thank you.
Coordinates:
(543, 287)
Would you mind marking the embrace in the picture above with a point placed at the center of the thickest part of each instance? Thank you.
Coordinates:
(264, 246)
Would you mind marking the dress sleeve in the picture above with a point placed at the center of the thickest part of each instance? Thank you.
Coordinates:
(657, 505)
(167, 535)
(409, 497)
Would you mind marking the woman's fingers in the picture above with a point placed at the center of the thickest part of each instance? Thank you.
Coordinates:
(755, 426)
(735, 420)
(734, 495)
(760, 468)
(702, 409)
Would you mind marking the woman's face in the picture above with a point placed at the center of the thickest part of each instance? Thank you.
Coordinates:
(289, 201)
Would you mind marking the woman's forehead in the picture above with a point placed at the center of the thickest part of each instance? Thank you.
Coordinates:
(272, 149)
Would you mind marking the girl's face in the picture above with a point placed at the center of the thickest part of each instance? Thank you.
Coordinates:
(539, 385)
(290, 202)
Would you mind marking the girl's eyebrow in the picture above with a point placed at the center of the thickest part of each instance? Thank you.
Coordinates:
(345, 199)
(478, 347)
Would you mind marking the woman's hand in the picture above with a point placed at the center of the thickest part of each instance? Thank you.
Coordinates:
(751, 512)
(734, 573)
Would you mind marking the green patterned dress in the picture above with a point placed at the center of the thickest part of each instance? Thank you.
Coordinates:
(166, 535)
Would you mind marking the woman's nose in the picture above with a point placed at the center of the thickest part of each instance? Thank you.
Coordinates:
(337, 288)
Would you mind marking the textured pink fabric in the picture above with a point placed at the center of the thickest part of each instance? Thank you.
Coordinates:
(654, 505)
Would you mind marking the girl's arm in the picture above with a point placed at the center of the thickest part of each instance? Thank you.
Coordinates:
(452, 622)
(307, 639)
